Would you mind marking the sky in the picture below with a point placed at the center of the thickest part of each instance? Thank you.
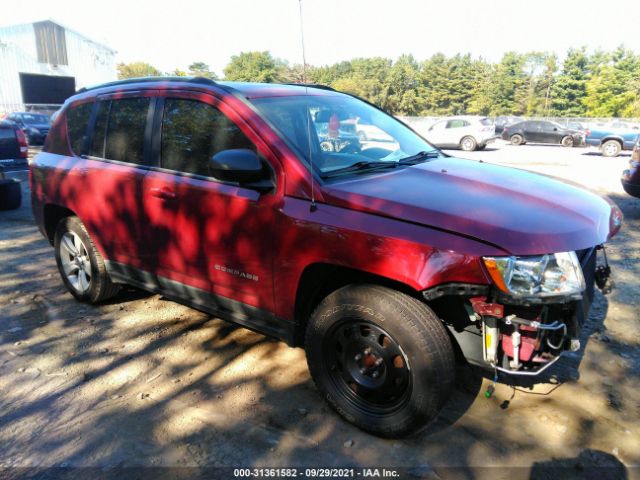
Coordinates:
(173, 34)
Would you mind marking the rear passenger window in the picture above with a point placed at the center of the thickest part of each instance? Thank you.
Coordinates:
(192, 132)
(125, 130)
(77, 122)
(457, 123)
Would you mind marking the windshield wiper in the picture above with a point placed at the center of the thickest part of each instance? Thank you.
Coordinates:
(380, 164)
(419, 157)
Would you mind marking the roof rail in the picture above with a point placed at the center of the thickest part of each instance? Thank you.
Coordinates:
(128, 81)
(312, 85)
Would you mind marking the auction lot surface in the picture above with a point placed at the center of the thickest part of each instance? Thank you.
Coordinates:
(145, 382)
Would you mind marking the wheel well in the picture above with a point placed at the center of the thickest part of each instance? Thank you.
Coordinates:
(320, 279)
(52, 216)
(606, 139)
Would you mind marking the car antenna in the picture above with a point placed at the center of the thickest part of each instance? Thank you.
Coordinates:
(312, 207)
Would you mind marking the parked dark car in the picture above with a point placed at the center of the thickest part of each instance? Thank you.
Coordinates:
(13, 156)
(542, 131)
(35, 125)
(501, 122)
(13, 144)
(382, 262)
(631, 177)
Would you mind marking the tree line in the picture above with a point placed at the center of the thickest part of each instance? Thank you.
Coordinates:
(586, 84)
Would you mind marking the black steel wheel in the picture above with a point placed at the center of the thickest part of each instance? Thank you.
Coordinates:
(367, 365)
(382, 359)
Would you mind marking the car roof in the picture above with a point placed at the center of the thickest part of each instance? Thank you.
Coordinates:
(466, 117)
(246, 89)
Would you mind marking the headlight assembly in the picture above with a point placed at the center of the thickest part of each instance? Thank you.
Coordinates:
(549, 275)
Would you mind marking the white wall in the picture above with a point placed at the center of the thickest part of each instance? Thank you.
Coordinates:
(89, 62)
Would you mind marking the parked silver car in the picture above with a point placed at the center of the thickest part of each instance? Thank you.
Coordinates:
(465, 132)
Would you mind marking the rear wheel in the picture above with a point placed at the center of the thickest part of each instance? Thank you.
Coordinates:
(80, 264)
(381, 359)
(468, 144)
(611, 148)
(567, 141)
(516, 139)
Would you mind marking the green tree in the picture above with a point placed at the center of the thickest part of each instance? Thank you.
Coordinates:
(507, 85)
(254, 67)
(201, 69)
(367, 79)
(137, 69)
(612, 88)
(570, 87)
(481, 91)
(403, 86)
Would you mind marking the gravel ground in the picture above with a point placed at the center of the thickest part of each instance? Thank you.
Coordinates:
(145, 382)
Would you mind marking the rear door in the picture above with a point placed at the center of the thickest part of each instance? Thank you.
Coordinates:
(210, 237)
(112, 172)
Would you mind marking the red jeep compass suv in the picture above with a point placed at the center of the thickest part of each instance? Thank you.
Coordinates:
(258, 204)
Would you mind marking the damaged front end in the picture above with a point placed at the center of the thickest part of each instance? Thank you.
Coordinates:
(531, 315)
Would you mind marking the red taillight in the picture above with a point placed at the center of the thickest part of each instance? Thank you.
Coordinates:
(505, 129)
(587, 132)
(22, 141)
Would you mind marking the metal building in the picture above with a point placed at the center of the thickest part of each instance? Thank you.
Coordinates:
(43, 63)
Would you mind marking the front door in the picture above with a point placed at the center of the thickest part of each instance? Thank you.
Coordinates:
(550, 133)
(211, 239)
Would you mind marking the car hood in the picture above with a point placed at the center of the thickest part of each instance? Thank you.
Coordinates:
(520, 212)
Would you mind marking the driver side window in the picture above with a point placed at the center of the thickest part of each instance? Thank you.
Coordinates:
(192, 132)
(439, 125)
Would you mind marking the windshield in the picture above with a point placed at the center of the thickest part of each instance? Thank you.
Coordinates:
(34, 119)
(340, 131)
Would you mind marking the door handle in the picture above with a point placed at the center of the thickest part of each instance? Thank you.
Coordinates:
(163, 193)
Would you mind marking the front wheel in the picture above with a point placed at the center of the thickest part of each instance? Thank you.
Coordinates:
(380, 358)
(468, 144)
(80, 264)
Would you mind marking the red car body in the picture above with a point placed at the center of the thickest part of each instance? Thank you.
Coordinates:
(418, 228)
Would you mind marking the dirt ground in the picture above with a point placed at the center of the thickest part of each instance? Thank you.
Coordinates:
(144, 382)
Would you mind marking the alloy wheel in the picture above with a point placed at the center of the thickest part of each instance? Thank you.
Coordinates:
(75, 262)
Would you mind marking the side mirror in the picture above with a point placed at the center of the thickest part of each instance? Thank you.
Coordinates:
(555, 129)
(236, 165)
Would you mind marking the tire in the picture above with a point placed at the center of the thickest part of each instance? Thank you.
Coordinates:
(409, 348)
(10, 194)
(611, 148)
(468, 143)
(516, 139)
(80, 264)
(567, 141)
